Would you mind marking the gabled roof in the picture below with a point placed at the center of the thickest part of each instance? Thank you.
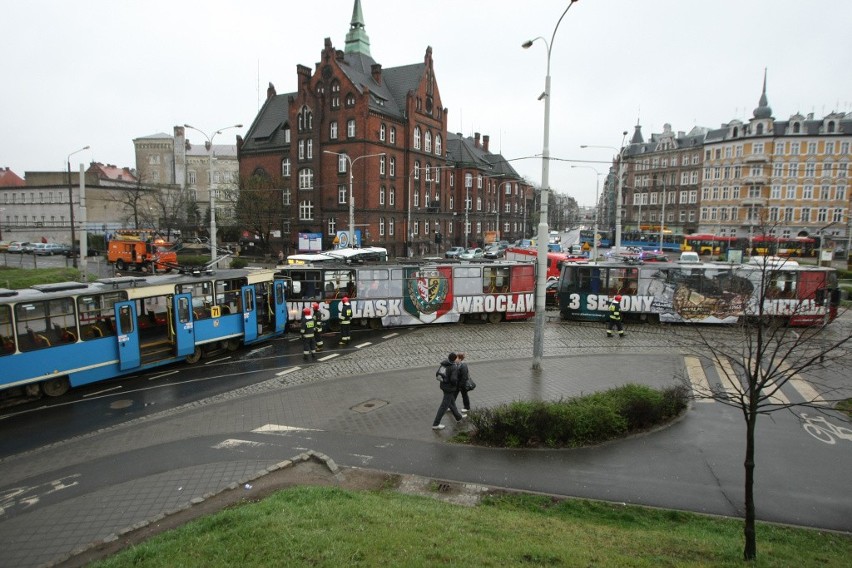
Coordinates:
(224, 150)
(112, 172)
(463, 152)
(8, 178)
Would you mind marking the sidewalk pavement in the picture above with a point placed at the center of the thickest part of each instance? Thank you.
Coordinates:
(91, 489)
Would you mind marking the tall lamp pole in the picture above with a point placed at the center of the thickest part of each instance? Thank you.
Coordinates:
(351, 162)
(620, 187)
(541, 275)
(663, 217)
(71, 205)
(209, 144)
(597, 207)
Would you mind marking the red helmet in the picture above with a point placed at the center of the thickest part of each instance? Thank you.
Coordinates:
(617, 298)
(307, 311)
(315, 306)
(345, 299)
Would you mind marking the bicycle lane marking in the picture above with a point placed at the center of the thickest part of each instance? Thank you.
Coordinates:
(823, 430)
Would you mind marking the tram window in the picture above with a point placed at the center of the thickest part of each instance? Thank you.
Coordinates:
(202, 297)
(62, 321)
(183, 310)
(279, 294)
(97, 314)
(306, 284)
(495, 279)
(228, 295)
(125, 319)
(248, 301)
(373, 283)
(623, 281)
(7, 336)
(782, 285)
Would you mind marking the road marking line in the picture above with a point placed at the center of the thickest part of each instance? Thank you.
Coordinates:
(161, 375)
(388, 336)
(803, 387)
(282, 428)
(695, 372)
(777, 397)
(103, 391)
(287, 371)
(727, 376)
(217, 360)
(329, 356)
(232, 443)
(363, 345)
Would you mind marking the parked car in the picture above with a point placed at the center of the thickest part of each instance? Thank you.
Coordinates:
(471, 254)
(17, 247)
(49, 249)
(453, 252)
(76, 251)
(689, 257)
(495, 251)
(36, 249)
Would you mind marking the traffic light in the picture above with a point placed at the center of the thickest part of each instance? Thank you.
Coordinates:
(438, 238)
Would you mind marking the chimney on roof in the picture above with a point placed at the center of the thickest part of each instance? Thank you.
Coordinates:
(476, 139)
(485, 142)
(270, 91)
(376, 71)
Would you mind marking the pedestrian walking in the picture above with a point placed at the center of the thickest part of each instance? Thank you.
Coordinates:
(308, 331)
(280, 257)
(345, 313)
(464, 375)
(319, 325)
(449, 386)
(614, 321)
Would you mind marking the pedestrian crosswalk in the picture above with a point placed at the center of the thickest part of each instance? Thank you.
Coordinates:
(716, 379)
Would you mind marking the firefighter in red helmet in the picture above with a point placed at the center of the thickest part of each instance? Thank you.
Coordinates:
(308, 332)
(319, 325)
(614, 321)
(345, 313)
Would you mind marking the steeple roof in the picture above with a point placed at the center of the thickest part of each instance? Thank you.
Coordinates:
(357, 40)
(763, 109)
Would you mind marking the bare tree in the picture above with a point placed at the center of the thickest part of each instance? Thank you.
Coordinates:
(260, 208)
(762, 353)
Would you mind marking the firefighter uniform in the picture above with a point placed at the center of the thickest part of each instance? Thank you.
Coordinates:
(614, 321)
(308, 332)
(319, 326)
(345, 314)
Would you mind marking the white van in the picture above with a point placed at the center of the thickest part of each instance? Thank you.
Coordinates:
(689, 257)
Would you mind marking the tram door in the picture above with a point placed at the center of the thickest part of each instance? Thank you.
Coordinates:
(249, 314)
(184, 324)
(127, 332)
(280, 304)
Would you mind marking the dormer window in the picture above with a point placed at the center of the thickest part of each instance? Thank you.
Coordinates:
(350, 100)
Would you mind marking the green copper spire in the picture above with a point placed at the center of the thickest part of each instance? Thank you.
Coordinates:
(357, 40)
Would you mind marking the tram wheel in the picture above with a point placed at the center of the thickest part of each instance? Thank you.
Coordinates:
(120, 265)
(195, 357)
(495, 317)
(233, 344)
(375, 323)
(55, 387)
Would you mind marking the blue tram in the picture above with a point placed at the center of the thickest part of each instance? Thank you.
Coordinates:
(58, 336)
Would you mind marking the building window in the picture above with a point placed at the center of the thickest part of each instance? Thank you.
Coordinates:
(437, 144)
(332, 130)
(392, 139)
(335, 95)
(306, 178)
(350, 128)
(332, 226)
(392, 196)
(392, 167)
(416, 141)
(192, 178)
(341, 193)
(285, 167)
(416, 198)
(390, 227)
(381, 226)
(341, 163)
(382, 132)
(301, 149)
(791, 192)
(310, 150)
(822, 215)
(306, 211)
(808, 192)
(382, 165)
(382, 192)
(350, 100)
(805, 216)
(427, 141)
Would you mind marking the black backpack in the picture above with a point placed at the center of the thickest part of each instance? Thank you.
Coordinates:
(441, 374)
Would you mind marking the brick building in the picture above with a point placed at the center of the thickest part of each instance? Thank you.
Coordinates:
(384, 133)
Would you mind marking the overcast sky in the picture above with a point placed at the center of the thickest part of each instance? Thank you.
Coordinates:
(101, 72)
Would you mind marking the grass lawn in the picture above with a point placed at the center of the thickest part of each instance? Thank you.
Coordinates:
(327, 526)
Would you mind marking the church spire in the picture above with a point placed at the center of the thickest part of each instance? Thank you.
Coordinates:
(357, 40)
(763, 109)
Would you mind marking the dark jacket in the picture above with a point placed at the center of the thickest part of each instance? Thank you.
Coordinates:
(451, 384)
(464, 375)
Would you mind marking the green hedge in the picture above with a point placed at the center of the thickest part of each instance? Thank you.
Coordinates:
(579, 421)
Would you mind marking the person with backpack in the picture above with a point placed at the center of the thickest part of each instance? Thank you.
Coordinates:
(464, 377)
(447, 375)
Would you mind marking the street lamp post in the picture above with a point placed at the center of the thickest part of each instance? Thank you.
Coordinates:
(663, 217)
(620, 187)
(209, 144)
(541, 275)
(351, 193)
(597, 207)
(71, 205)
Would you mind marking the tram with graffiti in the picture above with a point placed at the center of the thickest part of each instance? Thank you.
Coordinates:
(414, 293)
(59, 336)
(712, 293)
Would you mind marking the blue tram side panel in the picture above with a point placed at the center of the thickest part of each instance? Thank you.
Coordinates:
(65, 335)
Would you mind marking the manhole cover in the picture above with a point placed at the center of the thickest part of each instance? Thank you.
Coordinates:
(369, 405)
(118, 404)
